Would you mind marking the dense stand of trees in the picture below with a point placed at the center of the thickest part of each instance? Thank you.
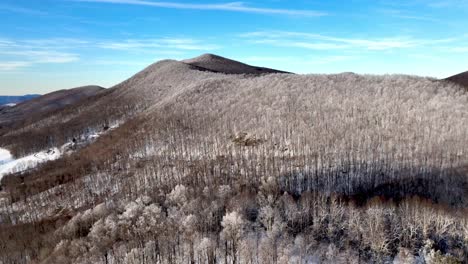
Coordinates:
(271, 169)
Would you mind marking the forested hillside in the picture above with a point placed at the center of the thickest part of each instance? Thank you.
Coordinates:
(195, 165)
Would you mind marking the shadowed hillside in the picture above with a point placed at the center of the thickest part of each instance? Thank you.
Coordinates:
(460, 79)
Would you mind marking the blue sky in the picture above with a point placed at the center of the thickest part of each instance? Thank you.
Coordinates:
(55, 44)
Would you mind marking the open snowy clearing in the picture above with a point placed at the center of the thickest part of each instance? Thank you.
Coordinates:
(5, 156)
(9, 165)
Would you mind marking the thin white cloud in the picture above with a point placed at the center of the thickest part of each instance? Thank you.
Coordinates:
(4, 42)
(13, 65)
(150, 45)
(113, 62)
(421, 18)
(35, 56)
(20, 10)
(300, 44)
(403, 14)
(447, 3)
(290, 60)
(233, 7)
(323, 42)
(424, 3)
(305, 64)
(16, 54)
(459, 49)
(60, 43)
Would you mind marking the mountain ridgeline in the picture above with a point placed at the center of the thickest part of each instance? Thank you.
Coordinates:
(214, 63)
(460, 79)
(51, 102)
(209, 160)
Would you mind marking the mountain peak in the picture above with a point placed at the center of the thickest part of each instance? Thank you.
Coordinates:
(216, 63)
(210, 56)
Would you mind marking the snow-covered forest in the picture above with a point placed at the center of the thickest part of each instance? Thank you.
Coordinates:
(278, 168)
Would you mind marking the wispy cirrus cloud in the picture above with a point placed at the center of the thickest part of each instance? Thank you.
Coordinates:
(291, 60)
(18, 54)
(20, 10)
(324, 42)
(42, 56)
(404, 14)
(317, 63)
(13, 65)
(459, 49)
(447, 3)
(232, 7)
(151, 44)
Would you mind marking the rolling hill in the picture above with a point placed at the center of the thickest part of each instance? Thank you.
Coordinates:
(45, 104)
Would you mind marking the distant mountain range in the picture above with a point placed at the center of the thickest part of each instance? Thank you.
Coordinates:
(16, 99)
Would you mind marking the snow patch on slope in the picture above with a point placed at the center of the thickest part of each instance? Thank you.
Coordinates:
(5, 156)
(11, 165)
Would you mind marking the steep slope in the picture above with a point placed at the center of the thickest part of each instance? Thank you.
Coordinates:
(219, 64)
(153, 86)
(460, 79)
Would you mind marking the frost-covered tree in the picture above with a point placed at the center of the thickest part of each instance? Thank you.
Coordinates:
(233, 229)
